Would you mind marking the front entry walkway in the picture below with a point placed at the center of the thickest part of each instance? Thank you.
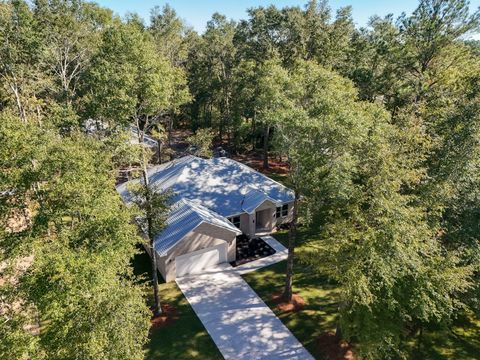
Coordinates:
(239, 322)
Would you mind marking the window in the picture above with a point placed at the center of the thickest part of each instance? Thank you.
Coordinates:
(282, 211)
(278, 212)
(235, 221)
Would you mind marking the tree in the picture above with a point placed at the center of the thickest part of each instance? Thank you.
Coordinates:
(306, 132)
(169, 34)
(328, 42)
(201, 141)
(153, 207)
(271, 99)
(20, 55)
(159, 134)
(375, 61)
(77, 291)
(375, 239)
(130, 82)
(173, 41)
(71, 31)
(211, 66)
(432, 28)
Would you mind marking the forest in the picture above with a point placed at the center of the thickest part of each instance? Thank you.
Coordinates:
(378, 128)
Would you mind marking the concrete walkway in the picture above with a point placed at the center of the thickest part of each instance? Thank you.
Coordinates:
(239, 322)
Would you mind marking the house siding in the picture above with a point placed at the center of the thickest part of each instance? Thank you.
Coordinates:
(289, 217)
(204, 236)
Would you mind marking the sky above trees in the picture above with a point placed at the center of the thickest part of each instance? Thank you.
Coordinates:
(197, 13)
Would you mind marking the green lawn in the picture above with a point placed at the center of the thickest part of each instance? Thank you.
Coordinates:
(462, 341)
(186, 338)
(320, 294)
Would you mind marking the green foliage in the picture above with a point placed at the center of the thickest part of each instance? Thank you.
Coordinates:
(154, 206)
(271, 98)
(374, 240)
(170, 34)
(387, 162)
(86, 305)
(129, 80)
(79, 289)
(211, 65)
(201, 141)
(20, 56)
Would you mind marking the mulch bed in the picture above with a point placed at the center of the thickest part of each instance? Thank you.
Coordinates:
(168, 316)
(297, 303)
(250, 250)
(333, 348)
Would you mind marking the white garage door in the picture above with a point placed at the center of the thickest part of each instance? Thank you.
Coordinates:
(195, 262)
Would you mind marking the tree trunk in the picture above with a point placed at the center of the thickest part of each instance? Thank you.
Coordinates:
(159, 150)
(338, 329)
(227, 119)
(221, 126)
(254, 124)
(170, 129)
(21, 109)
(157, 310)
(420, 339)
(265, 146)
(338, 332)
(292, 234)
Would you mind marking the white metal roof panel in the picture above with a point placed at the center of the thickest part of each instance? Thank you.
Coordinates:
(219, 184)
(253, 199)
(184, 217)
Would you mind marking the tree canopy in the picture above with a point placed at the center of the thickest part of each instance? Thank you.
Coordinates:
(378, 127)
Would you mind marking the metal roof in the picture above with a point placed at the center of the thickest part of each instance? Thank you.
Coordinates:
(184, 217)
(220, 184)
(147, 139)
(253, 199)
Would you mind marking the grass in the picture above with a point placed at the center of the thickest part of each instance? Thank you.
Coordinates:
(460, 342)
(320, 294)
(319, 314)
(183, 339)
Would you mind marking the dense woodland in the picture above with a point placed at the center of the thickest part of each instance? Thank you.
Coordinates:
(379, 126)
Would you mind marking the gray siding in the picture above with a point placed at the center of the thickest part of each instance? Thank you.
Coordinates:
(204, 236)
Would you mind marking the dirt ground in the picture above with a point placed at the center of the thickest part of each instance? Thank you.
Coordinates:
(255, 160)
(297, 303)
(168, 316)
(333, 348)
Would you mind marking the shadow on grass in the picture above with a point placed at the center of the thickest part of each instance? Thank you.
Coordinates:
(186, 338)
(461, 341)
(318, 315)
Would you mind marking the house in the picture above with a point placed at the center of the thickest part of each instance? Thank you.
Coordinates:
(214, 201)
(148, 141)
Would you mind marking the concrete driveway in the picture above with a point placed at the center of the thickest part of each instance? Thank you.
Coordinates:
(239, 322)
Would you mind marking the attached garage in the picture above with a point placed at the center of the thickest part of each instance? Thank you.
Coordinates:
(194, 239)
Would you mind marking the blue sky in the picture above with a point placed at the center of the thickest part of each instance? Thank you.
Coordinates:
(197, 13)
